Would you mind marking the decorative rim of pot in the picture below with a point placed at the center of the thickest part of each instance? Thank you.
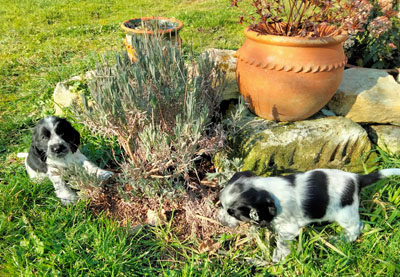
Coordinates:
(147, 18)
(295, 41)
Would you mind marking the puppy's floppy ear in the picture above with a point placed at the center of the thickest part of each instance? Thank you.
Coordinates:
(76, 140)
(241, 213)
(37, 132)
(231, 212)
(262, 204)
(68, 133)
(237, 176)
(270, 204)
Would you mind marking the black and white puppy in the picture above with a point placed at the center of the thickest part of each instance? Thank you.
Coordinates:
(54, 148)
(287, 203)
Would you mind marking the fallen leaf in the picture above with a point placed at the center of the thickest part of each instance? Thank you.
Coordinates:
(209, 246)
(156, 218)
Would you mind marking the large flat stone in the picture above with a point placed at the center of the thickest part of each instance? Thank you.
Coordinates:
(367, 95)
(269, 148)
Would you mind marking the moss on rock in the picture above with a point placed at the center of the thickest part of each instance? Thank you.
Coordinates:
(269, 148)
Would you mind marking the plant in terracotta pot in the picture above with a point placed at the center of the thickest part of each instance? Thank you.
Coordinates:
(377, 45)
(146, 26)
(292, 60)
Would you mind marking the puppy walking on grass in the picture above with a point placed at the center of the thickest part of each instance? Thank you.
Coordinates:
(287, 203)
(55, 148)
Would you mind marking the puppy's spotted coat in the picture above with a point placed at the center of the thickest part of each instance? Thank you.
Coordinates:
(290, 202)
(54, 148)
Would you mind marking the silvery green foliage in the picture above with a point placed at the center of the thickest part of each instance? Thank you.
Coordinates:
(160, 107)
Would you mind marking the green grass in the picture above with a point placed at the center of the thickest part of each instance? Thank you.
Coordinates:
(44, 42)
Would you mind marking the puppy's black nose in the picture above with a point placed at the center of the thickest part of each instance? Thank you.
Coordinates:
(57, 148)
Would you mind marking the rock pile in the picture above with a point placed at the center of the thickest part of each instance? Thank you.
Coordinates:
(364, 113)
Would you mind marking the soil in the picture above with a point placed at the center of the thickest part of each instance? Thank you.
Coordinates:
(192, 215)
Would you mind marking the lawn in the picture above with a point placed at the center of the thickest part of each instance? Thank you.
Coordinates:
(44, 42)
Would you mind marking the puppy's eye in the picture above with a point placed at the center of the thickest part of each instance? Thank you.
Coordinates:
(45, 134)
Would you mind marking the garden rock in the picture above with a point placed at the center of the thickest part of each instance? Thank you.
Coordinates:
(271, 148)
(227, 62)
(62, 98)
(387, 137)
(368, 96)
(65, 93)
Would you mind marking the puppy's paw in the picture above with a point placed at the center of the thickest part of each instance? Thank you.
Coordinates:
(66, 201)
(104, 174)
(67, 196)
(280, 254)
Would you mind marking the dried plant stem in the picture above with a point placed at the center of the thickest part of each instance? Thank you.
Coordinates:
(124, 142)
(288, 28)
(305, 7)
(208, 219)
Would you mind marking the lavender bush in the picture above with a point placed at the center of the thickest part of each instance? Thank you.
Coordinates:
(162, 110)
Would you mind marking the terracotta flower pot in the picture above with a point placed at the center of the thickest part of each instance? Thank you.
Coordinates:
(289, 78)
(166, 27)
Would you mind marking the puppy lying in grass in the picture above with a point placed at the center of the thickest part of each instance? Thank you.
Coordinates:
(285, 204)
(55, 148)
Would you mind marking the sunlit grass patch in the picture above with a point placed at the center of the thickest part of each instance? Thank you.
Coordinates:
(44, 42)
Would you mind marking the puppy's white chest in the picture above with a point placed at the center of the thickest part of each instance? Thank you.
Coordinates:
(65, 162)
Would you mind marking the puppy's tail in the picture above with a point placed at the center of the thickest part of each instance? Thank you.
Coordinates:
(369, 179)
(22, 155)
